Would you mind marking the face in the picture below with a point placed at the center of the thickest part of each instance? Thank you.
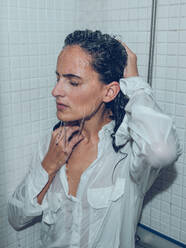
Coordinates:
(78, 91)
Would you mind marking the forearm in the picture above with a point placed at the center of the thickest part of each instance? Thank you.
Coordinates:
(42, 194)
(23, 206)
(21, 210)
(151, 130)
(154, 141)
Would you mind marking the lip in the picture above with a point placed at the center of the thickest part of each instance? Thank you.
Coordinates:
(61, 106)
(61, 103)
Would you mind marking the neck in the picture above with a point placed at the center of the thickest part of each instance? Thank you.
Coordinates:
(93, 125)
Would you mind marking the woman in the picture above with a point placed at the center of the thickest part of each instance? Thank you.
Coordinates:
(89, 179)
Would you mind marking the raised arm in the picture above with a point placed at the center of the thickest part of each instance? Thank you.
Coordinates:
(154, 139)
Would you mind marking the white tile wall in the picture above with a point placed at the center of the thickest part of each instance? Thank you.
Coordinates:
(169, 80)
(128, 20)
(31, 36)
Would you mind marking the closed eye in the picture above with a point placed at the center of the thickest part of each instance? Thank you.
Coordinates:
(69, 77)
(75, 84)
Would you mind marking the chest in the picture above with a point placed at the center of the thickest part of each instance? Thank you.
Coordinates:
(81, 158)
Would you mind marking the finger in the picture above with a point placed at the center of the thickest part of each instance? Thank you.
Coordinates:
(69, 131)
(128, 50)
(56, 132)
(65, 131)
(57, 136)
(53, 137)
(67, 151)
(81, 126)
(63, 135)
(125, 46)
(73, 142)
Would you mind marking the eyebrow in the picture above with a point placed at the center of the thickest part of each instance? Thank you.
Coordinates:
(69, 75)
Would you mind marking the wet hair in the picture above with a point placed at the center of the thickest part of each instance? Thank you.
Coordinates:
(109, 59)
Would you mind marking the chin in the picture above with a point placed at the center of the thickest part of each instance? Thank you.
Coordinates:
(67, 118)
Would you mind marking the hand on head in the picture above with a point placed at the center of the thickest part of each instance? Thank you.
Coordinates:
(131, 70)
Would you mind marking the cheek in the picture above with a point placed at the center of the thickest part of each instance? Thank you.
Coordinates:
(87, 97)
(87, 104)
(77, 100)
(81, 97)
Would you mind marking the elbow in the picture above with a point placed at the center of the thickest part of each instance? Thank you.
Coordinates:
(14, 221)
(16, 226)
(162, 154)
(19, 222)
(16, 217)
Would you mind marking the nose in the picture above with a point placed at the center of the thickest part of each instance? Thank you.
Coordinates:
(58, 90)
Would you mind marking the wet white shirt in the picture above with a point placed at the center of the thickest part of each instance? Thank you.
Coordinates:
(106, 209)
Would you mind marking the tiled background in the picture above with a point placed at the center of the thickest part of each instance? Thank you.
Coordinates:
(31, 36)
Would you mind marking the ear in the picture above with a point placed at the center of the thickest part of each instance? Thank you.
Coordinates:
(111, 91)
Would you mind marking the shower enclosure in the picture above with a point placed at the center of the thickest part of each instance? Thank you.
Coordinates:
(31, 36)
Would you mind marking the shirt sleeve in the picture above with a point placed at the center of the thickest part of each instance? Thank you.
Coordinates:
(22, 205)
(154, 140)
